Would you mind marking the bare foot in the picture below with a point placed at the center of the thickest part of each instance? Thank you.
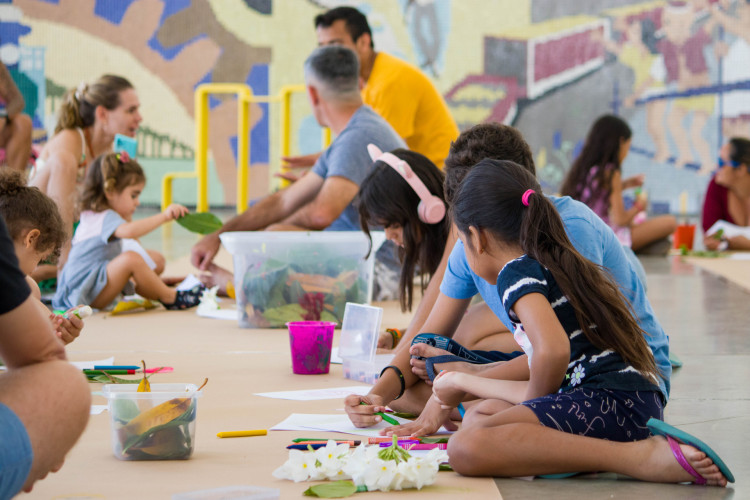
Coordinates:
(660, 465)
(218, 277)
(428, 351)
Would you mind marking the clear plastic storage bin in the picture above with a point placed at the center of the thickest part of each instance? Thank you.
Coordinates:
(299, 276)
(156, 425)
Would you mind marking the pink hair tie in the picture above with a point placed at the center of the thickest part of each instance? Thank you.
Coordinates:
(525, 197)
(123, 156)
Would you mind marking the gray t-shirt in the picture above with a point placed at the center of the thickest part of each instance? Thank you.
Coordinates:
(347, 156)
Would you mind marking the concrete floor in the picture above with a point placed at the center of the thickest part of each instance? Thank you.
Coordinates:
(706, 319)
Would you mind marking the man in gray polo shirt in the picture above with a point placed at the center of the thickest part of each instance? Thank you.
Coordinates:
(322, 199)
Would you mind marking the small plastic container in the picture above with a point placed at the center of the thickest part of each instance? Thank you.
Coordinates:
(358, 343)
(363, 370)
(294, 276)
(156, 425)
(310, 343)
(231, 493)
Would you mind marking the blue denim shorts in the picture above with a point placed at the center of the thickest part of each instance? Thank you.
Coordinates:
(16, 455)
(599, 413)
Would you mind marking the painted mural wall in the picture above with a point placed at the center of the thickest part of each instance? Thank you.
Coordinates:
(678, 72)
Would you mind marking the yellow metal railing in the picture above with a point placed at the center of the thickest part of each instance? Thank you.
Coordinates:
(244, 98)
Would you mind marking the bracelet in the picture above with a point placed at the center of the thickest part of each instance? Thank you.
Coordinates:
(400, 378)
(396, 334)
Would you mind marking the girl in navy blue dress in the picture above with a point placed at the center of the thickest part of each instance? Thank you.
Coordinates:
(591, 401)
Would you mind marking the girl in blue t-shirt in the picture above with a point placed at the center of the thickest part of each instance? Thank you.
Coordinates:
(105, 254)
(592, 381)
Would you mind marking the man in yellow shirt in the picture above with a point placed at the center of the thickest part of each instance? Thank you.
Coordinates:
(395, 89)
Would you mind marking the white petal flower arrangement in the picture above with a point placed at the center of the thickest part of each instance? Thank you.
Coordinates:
(370, 468)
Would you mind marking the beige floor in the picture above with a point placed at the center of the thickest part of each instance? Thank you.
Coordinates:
(705, 316)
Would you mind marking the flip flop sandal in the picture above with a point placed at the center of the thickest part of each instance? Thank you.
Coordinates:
(450, 345)
(674, 360)
(186, 298)
(676, 436)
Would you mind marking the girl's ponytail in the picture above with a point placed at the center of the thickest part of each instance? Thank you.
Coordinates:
(69, 114)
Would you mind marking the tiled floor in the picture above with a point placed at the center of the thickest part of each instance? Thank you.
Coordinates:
(707, 321)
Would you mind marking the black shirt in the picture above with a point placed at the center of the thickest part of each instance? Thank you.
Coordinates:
(13, 287)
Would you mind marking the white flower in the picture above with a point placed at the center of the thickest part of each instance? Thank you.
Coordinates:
(379, 474)
(577, 375)
(299, 467)
(208, 301)
(364, 466)
(330, 460)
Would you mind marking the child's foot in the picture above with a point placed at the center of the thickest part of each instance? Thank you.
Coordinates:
(218, 277)
(186, 298)
(661, 465)
(421, 351)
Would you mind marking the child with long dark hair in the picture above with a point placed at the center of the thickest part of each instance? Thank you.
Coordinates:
(386, 200)
(593, 381)
(98, 267)
(595, 178)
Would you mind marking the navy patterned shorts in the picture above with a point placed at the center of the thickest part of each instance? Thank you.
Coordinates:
(599, 413)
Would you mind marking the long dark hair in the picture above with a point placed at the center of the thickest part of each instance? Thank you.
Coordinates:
(739, 150)
(386, 199)
(602, 149)
(490, 199)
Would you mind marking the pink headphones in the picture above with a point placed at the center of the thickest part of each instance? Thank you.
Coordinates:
(431, 209)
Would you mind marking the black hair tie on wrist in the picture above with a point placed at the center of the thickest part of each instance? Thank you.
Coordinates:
(400, 379)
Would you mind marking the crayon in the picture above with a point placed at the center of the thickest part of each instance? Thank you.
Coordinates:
(234, 434)
(382, 415)
(111, 372)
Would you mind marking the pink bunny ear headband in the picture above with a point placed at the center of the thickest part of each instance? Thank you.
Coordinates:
(431, 209)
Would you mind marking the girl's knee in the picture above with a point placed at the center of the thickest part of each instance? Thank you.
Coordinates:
(130, 258)
(465, 448)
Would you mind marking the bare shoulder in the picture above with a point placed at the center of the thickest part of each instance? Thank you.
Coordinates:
(66, 143)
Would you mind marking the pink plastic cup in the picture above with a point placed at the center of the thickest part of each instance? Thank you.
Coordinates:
(310, 343)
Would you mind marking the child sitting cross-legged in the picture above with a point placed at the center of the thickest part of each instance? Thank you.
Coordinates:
(590, 401)
(98, 267)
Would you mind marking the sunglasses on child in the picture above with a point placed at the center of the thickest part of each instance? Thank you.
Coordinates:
(732, 163)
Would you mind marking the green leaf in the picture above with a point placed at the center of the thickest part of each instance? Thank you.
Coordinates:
(124, 410)
(117, 380)
(339, 489)
(187, 417)
(202, 223)
(445, 467)
(433, 440)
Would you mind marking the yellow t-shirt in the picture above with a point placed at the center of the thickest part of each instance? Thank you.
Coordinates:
(409, 101)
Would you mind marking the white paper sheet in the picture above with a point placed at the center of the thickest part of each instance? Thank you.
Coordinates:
(97, 409)
(89, 365)
(335, 423)
(730, 230)
(316, 394)
(218, 313)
